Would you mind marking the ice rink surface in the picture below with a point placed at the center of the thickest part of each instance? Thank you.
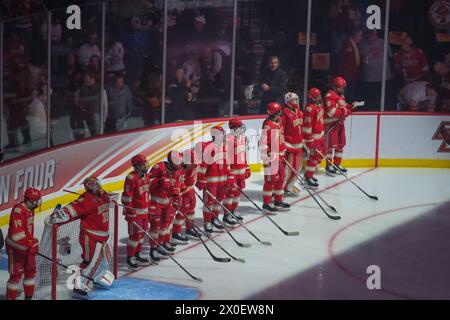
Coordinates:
(405, 234)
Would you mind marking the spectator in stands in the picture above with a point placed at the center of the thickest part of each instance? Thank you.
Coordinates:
(95, 64)
(178, 96)
(349, 62)
(279, 49)
(137, 44)
(418, 96)
(115, 54)
(411, 62)
(88, 105)
(444, 86)
(273, 84)
(209, 94)
(74, 72)
(55, 32)
(18, 96)
(198, 34)
(192, 72)
(120, 104)
(371, 69)
(36, 112)
(148, 90)
(88, 49)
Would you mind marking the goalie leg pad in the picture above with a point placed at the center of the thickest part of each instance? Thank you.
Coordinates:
(97, 267)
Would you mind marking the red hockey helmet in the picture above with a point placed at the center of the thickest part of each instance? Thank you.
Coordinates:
(33, 197)
(339, 82)
(235, 123)
(273, 108)
(217, 130)
(174, 159)
(140, 164)
(138, 159)
(314, 93)
(92, 184)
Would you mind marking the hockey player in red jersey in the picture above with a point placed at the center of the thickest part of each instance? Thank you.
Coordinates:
(292, 119)
(272, 149)
(313, 132)
(188, 180)
(136, 199)
(215, 177)
(21, 245)
(237, 158)
(92, 209)
(335, 113)
(165, 198)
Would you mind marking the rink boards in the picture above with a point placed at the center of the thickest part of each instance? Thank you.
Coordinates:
(373, 140)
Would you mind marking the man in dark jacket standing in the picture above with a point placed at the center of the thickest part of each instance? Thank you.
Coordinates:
(273, 84)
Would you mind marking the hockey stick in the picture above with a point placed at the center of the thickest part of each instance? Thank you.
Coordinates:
(288, 233)
(240, 244)
(214, 241)
(346, 177)
(218, 259)
(310, 193)
(169, 255)
(317, 194)
(267, 243)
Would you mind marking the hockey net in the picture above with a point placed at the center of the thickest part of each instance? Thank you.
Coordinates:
(61, 244)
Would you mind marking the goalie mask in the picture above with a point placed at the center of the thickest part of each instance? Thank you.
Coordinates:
(140, 164)
(291, 100)
(33, 198)
(92, 184)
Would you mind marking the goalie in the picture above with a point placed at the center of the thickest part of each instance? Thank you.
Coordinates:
(92, 208)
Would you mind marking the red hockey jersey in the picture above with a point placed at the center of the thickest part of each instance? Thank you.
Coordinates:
(93, 212)
(292, 124)
(188, 178)
(21, 228)
(237, 154)
(158, 194)
(272, 139)
(413, 65)
(313, 127)
(136, 194)
(214, 168)
(335, 108)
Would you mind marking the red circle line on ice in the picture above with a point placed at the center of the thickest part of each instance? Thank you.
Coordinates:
(254, 219)
(333, 238)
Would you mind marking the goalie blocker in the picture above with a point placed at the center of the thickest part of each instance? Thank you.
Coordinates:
(83, 233)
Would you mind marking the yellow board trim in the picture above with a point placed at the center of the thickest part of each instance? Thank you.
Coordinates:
(414, 163)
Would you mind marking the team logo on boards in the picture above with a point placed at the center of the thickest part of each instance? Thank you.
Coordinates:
(443, 133)
(439, 14)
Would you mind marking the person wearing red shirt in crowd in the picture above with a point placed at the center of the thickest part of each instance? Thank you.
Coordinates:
(292, 120)
(136, 199)
(350, 60)
(272, 148)
(411, 62)
(21, 245)
(313, 132)
(165, 199)
(335, 113)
